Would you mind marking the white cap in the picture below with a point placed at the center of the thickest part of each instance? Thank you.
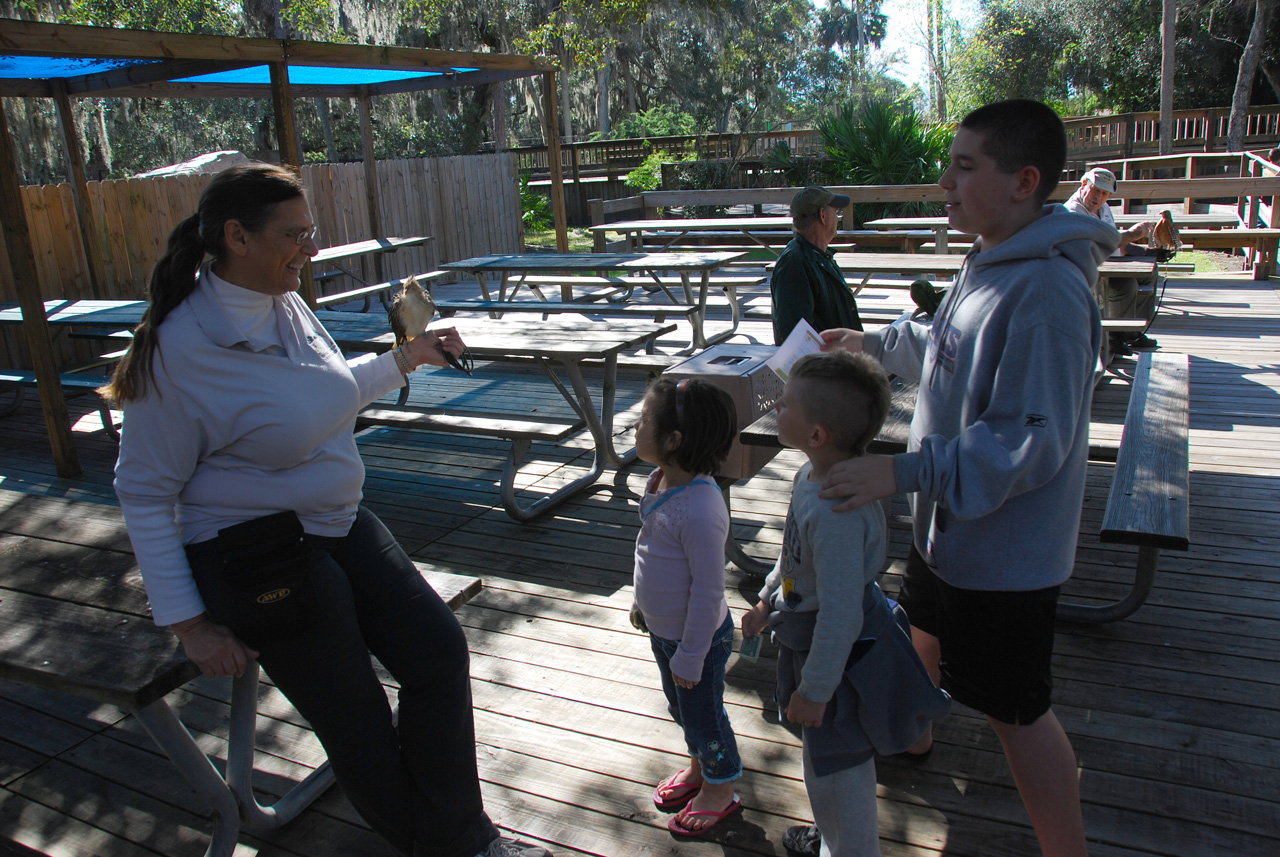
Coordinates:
(1104, 180)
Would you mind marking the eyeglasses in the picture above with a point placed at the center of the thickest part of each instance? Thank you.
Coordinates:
(302, 237)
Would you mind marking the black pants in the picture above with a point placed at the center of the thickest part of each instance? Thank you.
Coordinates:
(417, 785)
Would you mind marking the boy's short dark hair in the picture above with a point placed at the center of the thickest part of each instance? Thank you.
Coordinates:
(1018, 133)
(847, 394)
(705, 416)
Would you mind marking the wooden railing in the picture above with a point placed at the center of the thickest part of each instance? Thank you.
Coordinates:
(1248, 194)
(622, 156)
(1123, 135)
(1128, 135)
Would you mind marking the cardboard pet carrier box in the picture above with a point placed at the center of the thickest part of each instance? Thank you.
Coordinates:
(741, 370)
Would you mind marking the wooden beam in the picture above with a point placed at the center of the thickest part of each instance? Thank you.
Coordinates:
(22, 265)
(151, 72)
(25, 88)
(371, 182)
(290, 150)
(172, 89)
(447, 81)
(90, 238)
(410, 59)
(550, 131)
(67, 40)
(37, 38)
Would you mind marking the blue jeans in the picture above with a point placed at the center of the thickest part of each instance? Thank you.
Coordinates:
(699, 710)
(416, 785)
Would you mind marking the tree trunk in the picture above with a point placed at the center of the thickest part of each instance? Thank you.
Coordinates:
(1271, 73)
(940, 66)
(1244, 78)
(499, 116)
(565, 97)
(929, 48)
(1169, 16)
(603, 77)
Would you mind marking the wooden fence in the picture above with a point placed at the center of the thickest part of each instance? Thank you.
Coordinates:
(470, 205)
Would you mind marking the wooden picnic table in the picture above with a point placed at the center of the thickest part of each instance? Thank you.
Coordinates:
(560, 346)
(646, 264)
(942, 232)
(920, 264)
(768, 233)
(358, 249)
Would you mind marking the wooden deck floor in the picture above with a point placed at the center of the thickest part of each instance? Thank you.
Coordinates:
(1173, 713)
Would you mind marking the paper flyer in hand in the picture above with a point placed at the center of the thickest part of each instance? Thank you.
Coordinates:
(802, 340)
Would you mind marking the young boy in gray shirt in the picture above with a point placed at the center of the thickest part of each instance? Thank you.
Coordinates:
(847, 671)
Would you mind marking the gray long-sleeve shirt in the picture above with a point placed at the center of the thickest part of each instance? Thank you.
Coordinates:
(999, 441)
(827, 560)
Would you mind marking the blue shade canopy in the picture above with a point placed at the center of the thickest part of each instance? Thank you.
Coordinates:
(38, 68)
(307, 75)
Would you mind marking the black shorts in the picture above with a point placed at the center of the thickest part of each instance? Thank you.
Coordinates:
(996, 645)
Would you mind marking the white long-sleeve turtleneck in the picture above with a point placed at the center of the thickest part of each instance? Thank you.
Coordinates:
(250, 412)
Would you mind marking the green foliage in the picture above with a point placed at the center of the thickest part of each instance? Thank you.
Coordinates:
(647, 176)
(535, 208)
(692, 174)
(793, 171)
(883, 143)
(658, 121)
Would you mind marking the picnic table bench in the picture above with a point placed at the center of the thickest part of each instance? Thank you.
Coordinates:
(356, 250)
(380, 289)
(1148, 504)
(82, 627)
(80, 377)
(1263, 243)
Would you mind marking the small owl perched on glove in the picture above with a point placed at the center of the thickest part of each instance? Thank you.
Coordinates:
(410, 311)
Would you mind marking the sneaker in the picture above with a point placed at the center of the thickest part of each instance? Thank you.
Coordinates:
(504, 847)
(1120, 348)
(803, 839)
(1142, 341)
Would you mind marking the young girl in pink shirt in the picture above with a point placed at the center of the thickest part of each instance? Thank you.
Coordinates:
(686, 429)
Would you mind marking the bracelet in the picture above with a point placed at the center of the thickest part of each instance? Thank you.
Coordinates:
(402, 361)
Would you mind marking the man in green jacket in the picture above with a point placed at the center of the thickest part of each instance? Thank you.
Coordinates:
(806, 281)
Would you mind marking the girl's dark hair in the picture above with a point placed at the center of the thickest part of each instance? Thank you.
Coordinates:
(248, 193)
(704, 415)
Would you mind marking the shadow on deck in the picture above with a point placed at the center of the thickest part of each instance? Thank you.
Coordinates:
(1172, 712)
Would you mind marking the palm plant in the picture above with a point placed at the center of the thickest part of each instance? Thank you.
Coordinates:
(882, 143)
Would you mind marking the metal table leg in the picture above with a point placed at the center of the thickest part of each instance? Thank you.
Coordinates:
(739, 557)
(231, 800)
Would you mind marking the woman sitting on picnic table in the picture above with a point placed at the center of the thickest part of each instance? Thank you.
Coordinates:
(240, 483)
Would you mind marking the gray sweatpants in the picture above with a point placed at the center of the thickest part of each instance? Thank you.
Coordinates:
(844, 809)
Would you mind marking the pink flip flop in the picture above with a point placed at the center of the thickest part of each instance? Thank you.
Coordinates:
(678, 794)
(676, 823)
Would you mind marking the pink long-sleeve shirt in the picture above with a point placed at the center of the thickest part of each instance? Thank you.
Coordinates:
(679, 572)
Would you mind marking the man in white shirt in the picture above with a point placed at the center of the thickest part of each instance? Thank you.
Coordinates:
(1123, 298)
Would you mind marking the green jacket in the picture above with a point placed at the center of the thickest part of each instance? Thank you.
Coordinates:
(807, 284)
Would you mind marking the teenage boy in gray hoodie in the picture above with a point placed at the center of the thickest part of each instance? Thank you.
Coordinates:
(998, 446)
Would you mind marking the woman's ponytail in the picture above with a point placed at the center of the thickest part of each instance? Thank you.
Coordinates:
(172, 280)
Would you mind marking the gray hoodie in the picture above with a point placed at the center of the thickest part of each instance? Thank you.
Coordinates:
(1000, 439)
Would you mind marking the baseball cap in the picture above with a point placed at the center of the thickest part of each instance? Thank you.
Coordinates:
(812, 199)
(1103, 180)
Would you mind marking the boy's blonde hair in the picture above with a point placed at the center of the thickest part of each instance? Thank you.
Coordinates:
(847, 394)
